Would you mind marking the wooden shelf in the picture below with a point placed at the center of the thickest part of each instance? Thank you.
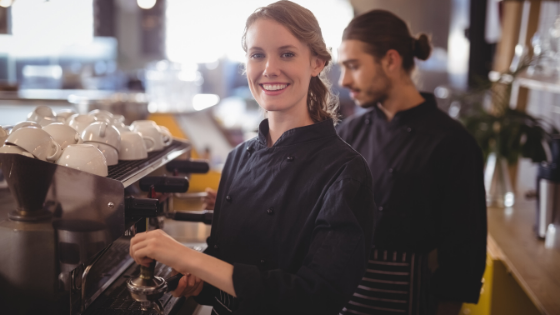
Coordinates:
(536, 268)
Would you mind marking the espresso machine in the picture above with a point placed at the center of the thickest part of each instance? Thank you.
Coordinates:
(64, 242)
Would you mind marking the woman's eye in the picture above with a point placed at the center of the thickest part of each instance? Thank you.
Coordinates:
(257, 56)
(288, 55)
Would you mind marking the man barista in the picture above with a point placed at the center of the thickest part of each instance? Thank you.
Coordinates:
(429, 246)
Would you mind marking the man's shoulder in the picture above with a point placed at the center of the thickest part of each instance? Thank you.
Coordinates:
(352, 123)
(441, 123)
(453, 134)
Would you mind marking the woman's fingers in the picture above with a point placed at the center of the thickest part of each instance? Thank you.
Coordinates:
(199, 287)
(192, 281)
(181, 287)
(188, 285)
(136, 243)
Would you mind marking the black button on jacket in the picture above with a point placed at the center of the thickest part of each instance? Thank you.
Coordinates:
(295, 220)
(428, 184)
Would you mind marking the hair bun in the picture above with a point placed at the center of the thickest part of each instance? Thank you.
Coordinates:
(422, 47)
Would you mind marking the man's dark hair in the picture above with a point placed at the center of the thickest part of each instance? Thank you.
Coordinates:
(382, 30)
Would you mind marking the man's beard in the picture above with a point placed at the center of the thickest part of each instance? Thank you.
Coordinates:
(375, 98)
(377, 93)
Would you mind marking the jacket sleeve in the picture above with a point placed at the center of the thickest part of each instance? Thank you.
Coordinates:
(462, 230)
(333, 265)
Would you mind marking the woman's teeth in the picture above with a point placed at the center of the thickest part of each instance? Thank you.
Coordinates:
(274, 87)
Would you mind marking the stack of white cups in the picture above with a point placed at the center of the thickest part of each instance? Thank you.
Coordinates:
(89, 142)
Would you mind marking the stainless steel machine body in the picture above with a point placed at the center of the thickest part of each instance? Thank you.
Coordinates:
(64, 244)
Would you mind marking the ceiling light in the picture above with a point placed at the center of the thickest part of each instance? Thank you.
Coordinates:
(144, 4)
(6, 3)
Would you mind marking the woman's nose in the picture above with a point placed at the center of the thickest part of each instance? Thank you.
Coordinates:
(271, 68)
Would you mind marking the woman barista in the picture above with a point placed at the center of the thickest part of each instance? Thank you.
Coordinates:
(293, 219)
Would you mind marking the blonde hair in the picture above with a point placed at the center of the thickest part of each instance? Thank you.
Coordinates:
(321, 103)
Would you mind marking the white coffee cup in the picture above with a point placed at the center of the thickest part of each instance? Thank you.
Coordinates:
(37, 142)
(63, 115)
(63, 134)
(167, 133)
(102, 132)
(102, 115)
(3, 135)
(80, 122)
(134, 146)
(26, 124)
(84, 157)
(14, 149)
(121, 127)
(118, 119)
(42, 115)
(150, 129)
(110, 153)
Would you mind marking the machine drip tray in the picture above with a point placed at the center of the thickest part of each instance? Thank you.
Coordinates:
(116, 300)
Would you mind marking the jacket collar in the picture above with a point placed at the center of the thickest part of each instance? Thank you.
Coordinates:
(427, 106)
(312, 132)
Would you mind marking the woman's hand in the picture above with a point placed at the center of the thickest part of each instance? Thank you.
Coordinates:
(210, 199)
(147, 246)
(189, 285)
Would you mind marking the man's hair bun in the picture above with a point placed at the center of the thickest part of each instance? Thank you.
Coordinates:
(422, 48)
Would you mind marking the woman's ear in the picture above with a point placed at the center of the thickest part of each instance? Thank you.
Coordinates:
(317, 65)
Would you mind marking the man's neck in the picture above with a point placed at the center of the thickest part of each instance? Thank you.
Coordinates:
(400, 98)
(280, 122)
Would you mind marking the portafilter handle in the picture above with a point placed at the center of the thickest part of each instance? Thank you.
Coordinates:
(173, 281)
(188, 166)
(204, 216)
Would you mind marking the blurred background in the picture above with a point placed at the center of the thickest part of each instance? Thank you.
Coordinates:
(185, 56)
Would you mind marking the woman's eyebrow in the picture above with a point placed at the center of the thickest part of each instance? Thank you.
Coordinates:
(287, 47)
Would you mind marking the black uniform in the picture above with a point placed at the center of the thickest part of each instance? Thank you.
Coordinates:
(295, 220)
(428, 186)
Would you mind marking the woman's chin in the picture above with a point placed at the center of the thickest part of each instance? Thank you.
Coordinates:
(273, 107)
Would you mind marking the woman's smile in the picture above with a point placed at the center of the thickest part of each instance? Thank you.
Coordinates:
(274, 88)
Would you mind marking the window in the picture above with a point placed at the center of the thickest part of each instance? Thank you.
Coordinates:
(205, 31)
(39, 25)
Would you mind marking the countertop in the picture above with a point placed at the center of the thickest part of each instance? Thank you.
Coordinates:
(536, 268)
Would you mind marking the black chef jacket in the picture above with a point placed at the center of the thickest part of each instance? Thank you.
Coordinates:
(428, 187)
(295, 220)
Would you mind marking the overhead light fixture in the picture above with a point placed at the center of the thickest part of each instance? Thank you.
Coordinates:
(144, 4)
(6, 3)
(203, 101)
